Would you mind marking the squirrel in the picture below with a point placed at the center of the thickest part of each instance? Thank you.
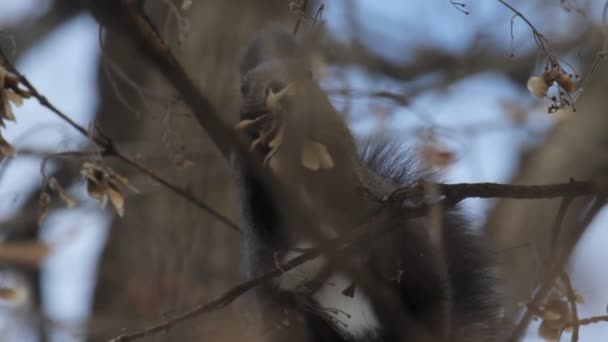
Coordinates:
(444, 295)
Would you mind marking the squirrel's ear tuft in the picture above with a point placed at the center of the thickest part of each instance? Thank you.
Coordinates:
(272, 43)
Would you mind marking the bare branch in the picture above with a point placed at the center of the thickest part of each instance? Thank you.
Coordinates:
(109, 148)
(455, 193)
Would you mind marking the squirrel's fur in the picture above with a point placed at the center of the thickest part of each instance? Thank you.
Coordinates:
(446, 295)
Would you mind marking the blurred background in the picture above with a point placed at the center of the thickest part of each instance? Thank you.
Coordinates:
(445, 79)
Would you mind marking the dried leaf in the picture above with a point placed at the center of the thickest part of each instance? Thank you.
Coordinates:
(551, 315)
(116, 179)
(93, 172)
(6, 150)
(6, 112)
(98, 191)
(16, 99)
(116, 199)
(315, 156)
(6, 96)
(538, 86)
(556, 313)
(547, 332)
(103, 184)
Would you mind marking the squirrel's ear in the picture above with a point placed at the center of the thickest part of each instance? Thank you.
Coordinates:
(272, 43)
(250, 56)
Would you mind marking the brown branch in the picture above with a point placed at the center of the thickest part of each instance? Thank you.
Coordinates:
(400, 99)
(109, 148)
(455, 193)
(555, 270)
(587, 321)
(539, 38)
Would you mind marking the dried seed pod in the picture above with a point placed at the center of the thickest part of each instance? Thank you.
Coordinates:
(538, 86)
(566, 82)
(117, 199)
(6, 149)
(103, 184)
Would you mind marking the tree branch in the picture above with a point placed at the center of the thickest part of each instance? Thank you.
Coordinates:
(109, 148)
(455, 193)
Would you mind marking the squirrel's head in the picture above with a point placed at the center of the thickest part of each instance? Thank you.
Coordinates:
(269, 65)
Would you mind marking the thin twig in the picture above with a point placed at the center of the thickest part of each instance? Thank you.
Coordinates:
(587, 321)
(109, 148)
(573, 309)
(459, 6)
(539, 38)
(455, 193)
(302, 6)
(555, 269)
(401, 99)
